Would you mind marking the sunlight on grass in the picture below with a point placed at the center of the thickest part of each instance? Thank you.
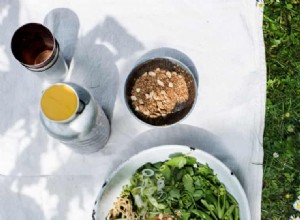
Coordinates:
(282, 131)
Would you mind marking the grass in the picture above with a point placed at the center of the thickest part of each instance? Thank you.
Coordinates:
(282, 129)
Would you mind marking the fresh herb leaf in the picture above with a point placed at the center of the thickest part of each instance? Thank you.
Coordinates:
(188, 183)
(190, 160)
(177, 162)
(166, 171)
(198, 194)
(177, 154)
(174, 194)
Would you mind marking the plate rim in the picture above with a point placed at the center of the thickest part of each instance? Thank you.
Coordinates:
(183, 148)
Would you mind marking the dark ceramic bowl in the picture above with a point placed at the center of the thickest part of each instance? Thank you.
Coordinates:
(181, 110)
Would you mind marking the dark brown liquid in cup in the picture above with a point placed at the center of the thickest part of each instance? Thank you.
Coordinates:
(32, 44)
(44, 55)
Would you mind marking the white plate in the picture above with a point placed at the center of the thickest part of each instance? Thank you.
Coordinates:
(113, 186)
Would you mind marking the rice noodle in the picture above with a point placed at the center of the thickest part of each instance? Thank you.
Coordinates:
(122, 209)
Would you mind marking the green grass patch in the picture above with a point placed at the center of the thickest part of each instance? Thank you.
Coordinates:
(281, 184)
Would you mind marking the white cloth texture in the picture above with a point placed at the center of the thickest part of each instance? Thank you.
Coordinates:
(101, 40)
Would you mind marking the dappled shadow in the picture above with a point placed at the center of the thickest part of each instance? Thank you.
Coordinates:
(16, 205)
(19, 91)
(25, 145)
(64, 24)
(15, 79)
(182, 134)
(94, 67)
(94, 62)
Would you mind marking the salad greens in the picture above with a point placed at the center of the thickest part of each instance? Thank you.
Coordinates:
(179, 188)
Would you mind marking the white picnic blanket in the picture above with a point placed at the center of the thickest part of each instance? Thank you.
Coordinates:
(221, 40)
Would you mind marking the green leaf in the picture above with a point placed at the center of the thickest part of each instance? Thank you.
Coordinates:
(157, 165)
(154, 202)
(166, 171)
(174, 193)
(185, 216)
(236, 213)
(187, 200)
(229, 211)
(205, 170)
(161, 206)
(201, 214)
(188, 183)
(177, 154)
(208, 206)
(211, 198)
(198, 194)
(190, 170)
(231, 199)
(289, 6)
(190, 160)
(178, 174)
(177, 162)
(197, 212)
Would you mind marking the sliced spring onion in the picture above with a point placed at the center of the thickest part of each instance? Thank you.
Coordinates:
(147, 172)
(137, 190)
(149, 191)
(160, 184)
(138, 201)
(161, 196)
